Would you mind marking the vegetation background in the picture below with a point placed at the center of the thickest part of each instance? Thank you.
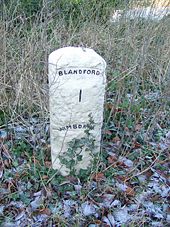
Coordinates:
(136, 118)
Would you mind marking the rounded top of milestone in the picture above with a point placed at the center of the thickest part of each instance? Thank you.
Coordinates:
(71, 57)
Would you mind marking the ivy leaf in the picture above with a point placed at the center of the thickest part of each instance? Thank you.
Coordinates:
(79, 158)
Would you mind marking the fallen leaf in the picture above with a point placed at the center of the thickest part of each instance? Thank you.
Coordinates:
(88, 209)
(126, 129)
(48, 164)
(36, 203)
(148, 173)
(121, 164)
(121, 215)
(108, 190)
(45, 177)
(130, 191)
(7, 163)
(98, 177)
(108, 132)
(118, 110)
(116, 139)
(136, 145)
(97, 222)
(112, 159)
(155, 198)
(45, 211)
(17, 176)
(5, 151)
(36, 161)
(72, 179)
(138, 127)
(110, 106)
(122, 178)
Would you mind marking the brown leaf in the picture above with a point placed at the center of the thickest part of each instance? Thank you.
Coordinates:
(36, 161)
(8, 163)
(5, 151)
(72, 179)
(121, 164)
(48, 164)
(45, 211)
(5, 156)
(45, 177)
(11, 185)
(126, 129)
(148, 173)
(116, 139)
(98, 177)
(136, 145)
(138, 127)
(118, 110)
(108, 132)
(122, 178)
(109, 190)
(109, 106)
(98, 222)
(112, 159)
(130, 191)
(155, 198)
(17, 176)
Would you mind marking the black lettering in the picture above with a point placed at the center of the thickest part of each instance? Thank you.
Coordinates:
(80, 95)
(80, 71)
(93, 72)
(62, 129)
(60, 73)
(75, 72)
(75, 126)
(70, 71)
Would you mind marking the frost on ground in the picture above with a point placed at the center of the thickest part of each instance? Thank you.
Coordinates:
(129, 190)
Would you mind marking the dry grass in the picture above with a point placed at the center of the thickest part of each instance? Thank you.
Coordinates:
(137, 52)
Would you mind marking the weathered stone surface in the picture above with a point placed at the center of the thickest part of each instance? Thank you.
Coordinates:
(77, 86)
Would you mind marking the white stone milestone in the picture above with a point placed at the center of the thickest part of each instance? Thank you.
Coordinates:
(77, 86)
